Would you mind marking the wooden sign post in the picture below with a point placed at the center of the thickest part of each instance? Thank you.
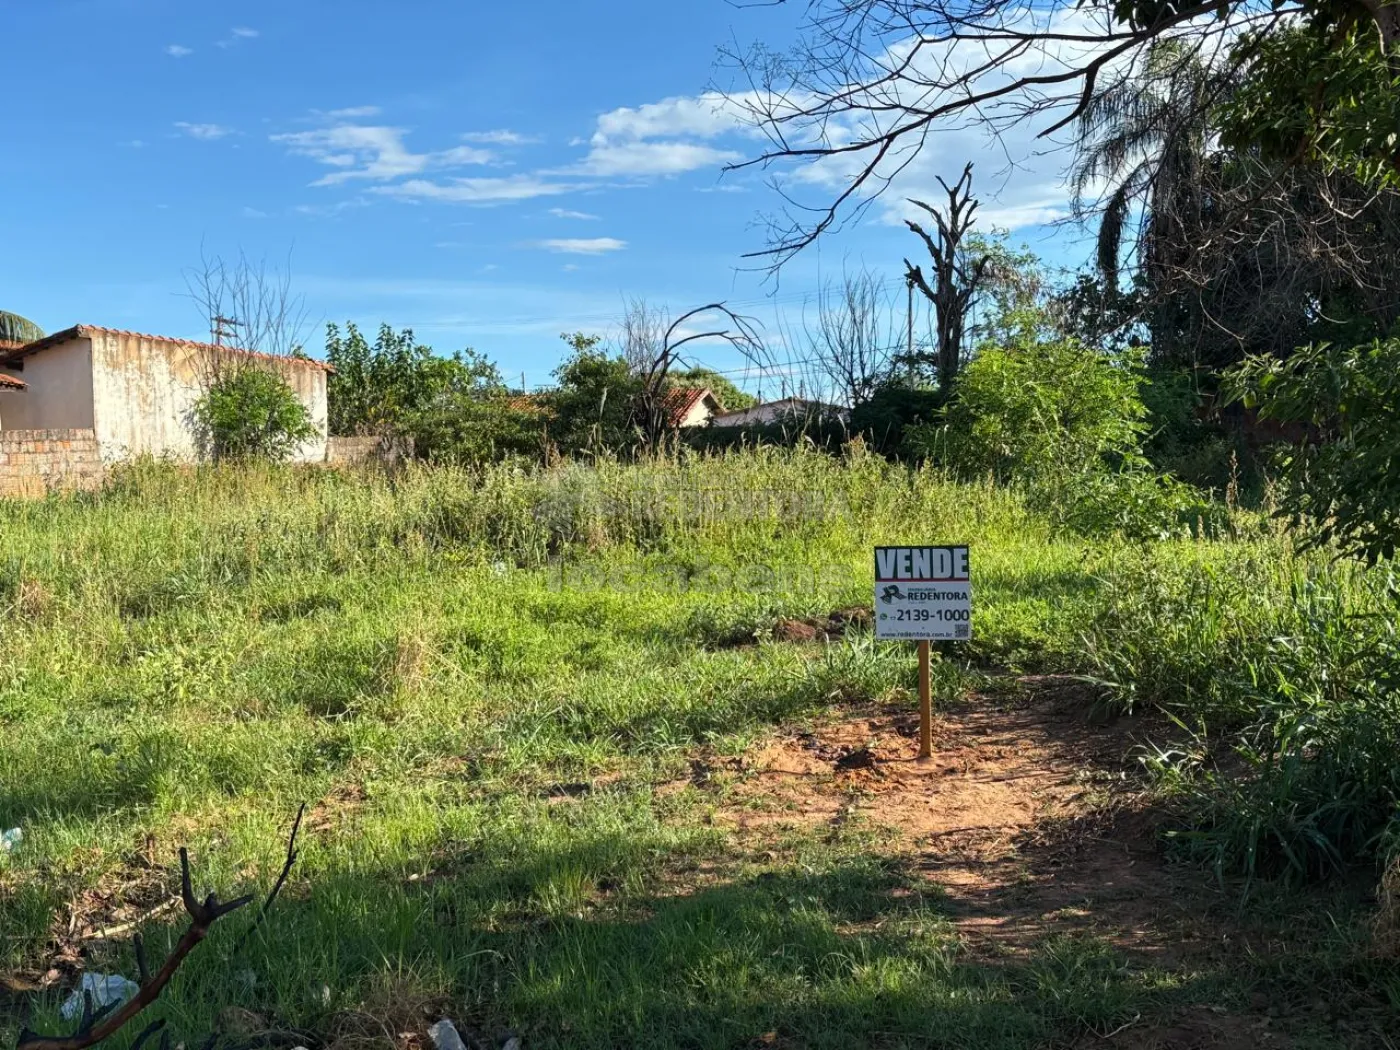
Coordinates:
(925, 705)
(923, 594)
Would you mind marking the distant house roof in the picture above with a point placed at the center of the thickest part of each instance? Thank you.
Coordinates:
(788, 406)
(679, 401)
(11, 352)
(527, 403)
(11, 383)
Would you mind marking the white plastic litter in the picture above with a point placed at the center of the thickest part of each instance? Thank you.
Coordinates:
(445, 1037)
(10, 839)
(104, 989)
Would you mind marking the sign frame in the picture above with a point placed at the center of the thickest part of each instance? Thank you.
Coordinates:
(924, 594)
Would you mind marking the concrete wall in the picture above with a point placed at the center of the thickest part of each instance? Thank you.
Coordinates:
(362, 451)
(144, 391)
(700, 413)
(35, 462)
(60, 390)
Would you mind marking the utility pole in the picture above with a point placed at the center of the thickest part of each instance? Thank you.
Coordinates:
(225, 328)
(909, 353)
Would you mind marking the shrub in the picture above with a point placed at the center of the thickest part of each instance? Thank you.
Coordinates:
(473, 430)
(887, 417)
(1044, 412)
(1293, 666)
(250, 413)
(826, 431)
(1068, 424)
(1344, 487)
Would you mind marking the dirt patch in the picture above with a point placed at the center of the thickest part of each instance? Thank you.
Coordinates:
(1028, 815)
(811, 629)
(822, 628)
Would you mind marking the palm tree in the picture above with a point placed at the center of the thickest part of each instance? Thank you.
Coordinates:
(16, 329)
(1149, 139)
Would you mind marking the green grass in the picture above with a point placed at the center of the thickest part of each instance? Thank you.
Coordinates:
(187, 656)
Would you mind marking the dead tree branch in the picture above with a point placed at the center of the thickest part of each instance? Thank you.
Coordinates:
(99, 1023)
(653, 346)
(857, 97)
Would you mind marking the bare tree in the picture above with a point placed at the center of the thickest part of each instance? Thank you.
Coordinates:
(652, 345)
(855, 335)
(248, 306)
(643, 334)
(869, 81)
(957, 277)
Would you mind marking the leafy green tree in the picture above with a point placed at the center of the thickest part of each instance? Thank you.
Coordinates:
(594, 406)
(251, 413)
(1342, 472)
(379, 387)
(1325, 91)
(725, 390)
(16, 329)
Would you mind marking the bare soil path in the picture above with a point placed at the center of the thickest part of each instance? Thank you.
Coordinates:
(1033, 821)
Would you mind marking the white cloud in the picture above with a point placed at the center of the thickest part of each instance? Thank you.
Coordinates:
(237, 35)
(476, 191)
(178, 51)
(569, 267)
(354, 113)
(205, 132)
(253, 213)
(705, 116)
(360, 151)
(659, 138)
(329, 211)
(565, 213)
(652, 158)
(584, 245)
(500, 137)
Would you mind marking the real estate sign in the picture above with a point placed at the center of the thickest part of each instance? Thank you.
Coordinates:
(923, 593)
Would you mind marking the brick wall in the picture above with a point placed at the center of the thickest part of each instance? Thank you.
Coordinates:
(35, 462)
(362, 451)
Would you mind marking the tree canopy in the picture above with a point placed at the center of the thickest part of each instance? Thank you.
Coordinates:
(869, 81)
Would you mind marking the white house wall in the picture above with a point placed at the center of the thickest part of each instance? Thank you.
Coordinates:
(145, 390)
(59, 394)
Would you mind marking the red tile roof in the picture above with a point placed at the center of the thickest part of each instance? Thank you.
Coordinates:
(11, 383)
(526, 403)
(15, 351)
(679, 401)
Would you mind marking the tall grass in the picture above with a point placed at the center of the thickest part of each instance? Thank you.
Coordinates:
(188, 654)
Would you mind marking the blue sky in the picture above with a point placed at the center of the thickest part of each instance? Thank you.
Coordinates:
(489, 174)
